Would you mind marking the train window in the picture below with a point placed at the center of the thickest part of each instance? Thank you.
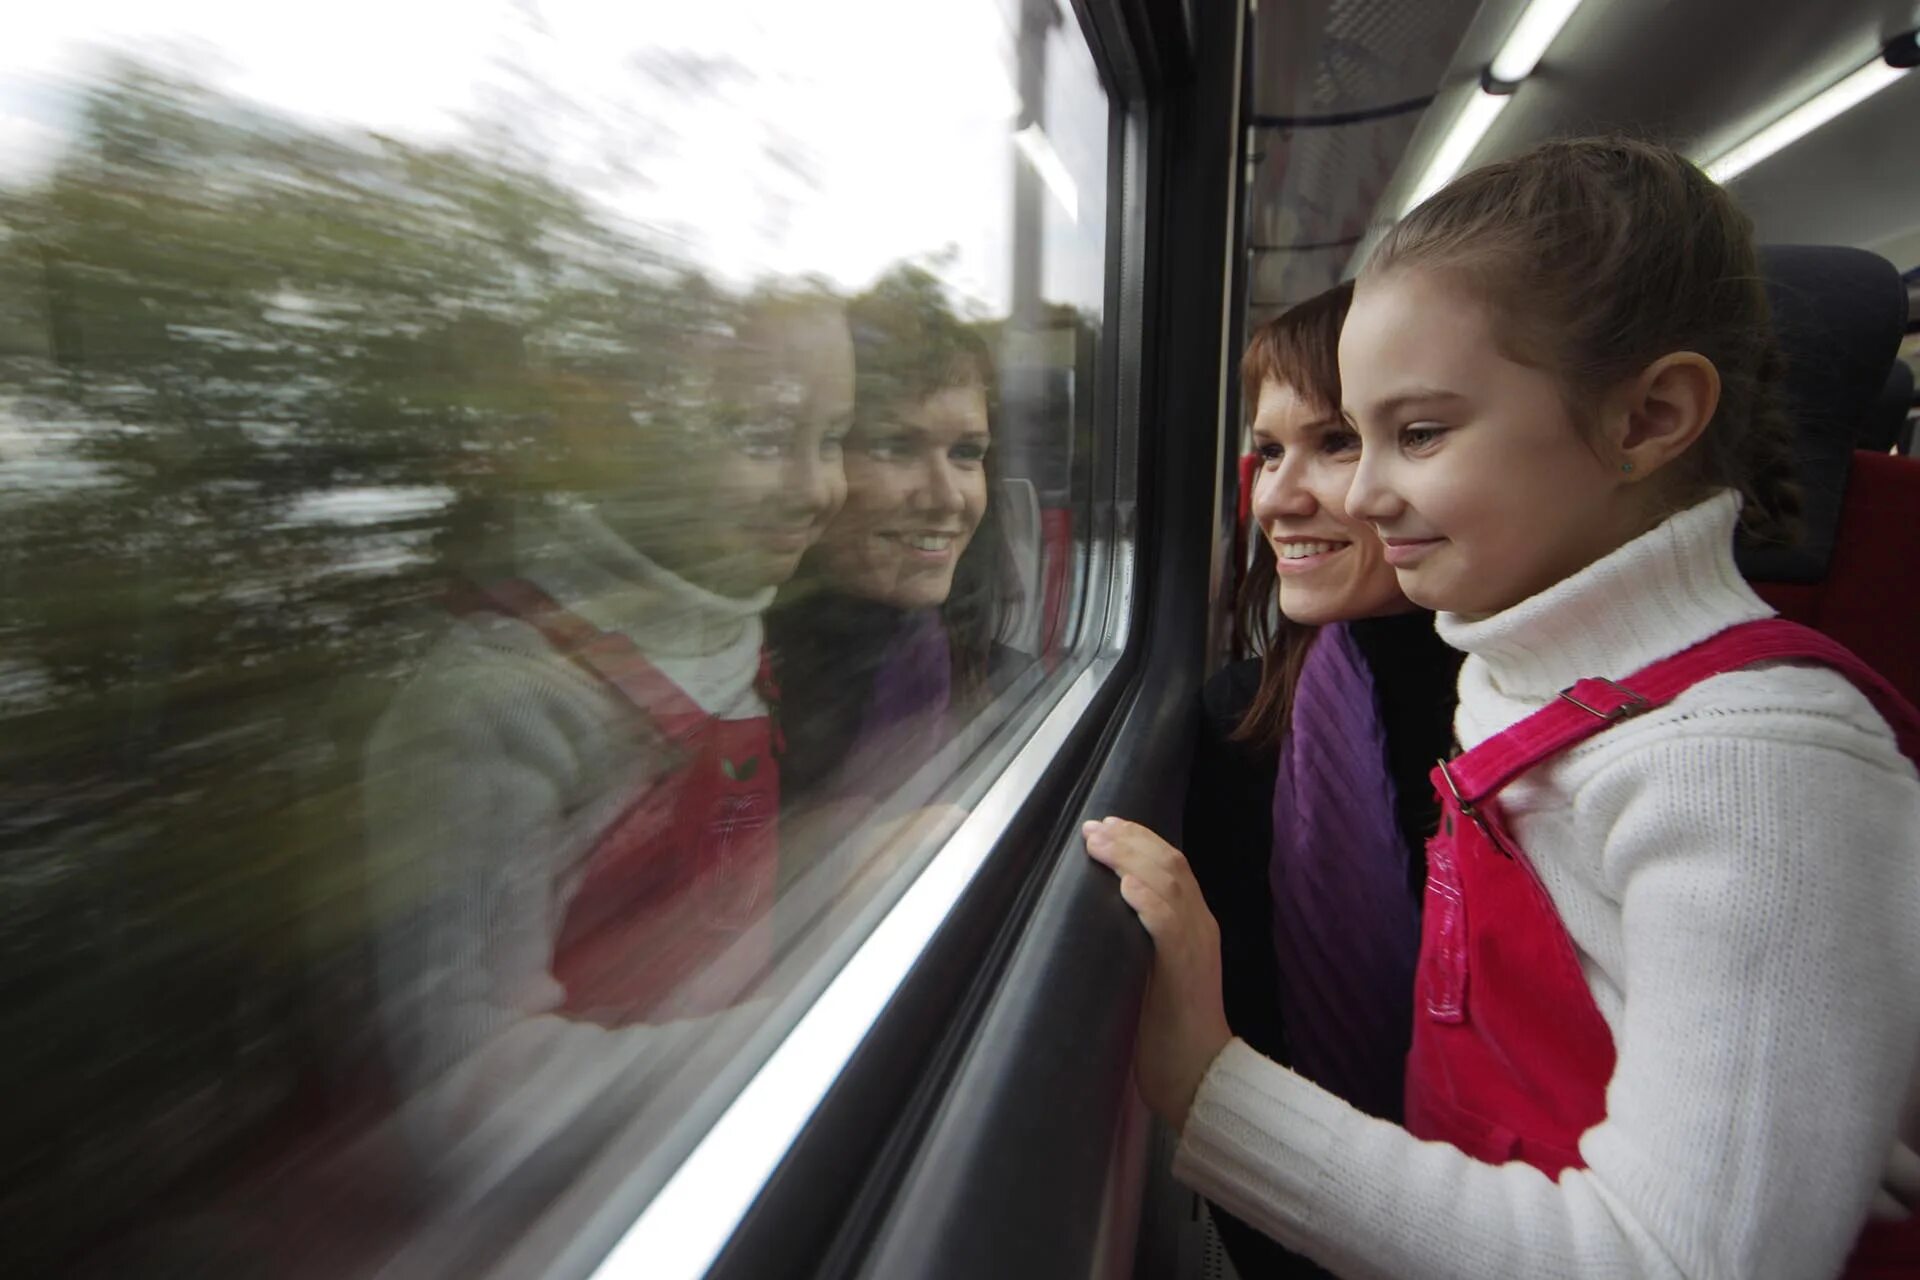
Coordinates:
(523, 527)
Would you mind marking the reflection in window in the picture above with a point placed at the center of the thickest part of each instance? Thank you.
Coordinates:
(514, 519)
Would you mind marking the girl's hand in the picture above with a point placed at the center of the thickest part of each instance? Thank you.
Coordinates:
(1183, 1023)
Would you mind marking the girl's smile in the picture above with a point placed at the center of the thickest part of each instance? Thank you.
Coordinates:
(1408, 552)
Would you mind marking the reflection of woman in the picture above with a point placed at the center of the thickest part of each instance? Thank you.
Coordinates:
(1309, 804)
(886, 638)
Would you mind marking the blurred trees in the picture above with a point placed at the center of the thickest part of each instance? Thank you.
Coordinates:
(255, 380)
(264, 386)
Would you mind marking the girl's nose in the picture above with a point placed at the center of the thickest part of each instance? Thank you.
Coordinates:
(1368, 497)
(812, 482)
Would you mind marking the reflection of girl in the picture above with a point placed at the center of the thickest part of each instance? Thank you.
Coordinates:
(573, 804)
(1309, 804)
(886, 638)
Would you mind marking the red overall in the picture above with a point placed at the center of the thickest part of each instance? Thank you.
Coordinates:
(682, 880)
(1510, 1056)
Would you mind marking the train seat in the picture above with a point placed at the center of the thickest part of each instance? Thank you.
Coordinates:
(1840, 314)
(1888, 417)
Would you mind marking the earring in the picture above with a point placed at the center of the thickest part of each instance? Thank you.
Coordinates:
(1627, 468)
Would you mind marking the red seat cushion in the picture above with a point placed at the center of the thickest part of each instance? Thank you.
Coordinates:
(1870, 599)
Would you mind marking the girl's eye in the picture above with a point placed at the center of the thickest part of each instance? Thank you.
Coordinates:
(968, 454)
(1421, 435)
(763, 444)
(1271, 452)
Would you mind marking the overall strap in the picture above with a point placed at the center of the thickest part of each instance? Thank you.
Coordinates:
(1592, 705)
(606, 655)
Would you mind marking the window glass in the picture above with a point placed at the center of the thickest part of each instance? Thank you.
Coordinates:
(522, 523)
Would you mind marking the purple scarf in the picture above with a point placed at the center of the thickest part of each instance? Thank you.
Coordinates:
(1346, 927)
(906, 718)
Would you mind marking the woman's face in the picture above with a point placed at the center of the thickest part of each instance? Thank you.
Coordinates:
(916, 491)
(1331, 567)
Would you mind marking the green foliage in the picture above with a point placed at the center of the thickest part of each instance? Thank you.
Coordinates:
(258, 383)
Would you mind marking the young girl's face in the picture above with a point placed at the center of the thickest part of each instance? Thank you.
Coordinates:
(1472, 469)
(916, 492)
(1330, 565)
(759, 490)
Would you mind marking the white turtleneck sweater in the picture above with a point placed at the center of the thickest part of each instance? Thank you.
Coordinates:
(1740, 875)
(488, 781)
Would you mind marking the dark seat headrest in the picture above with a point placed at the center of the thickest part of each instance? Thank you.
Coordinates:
(1838, 314)
(1889, 413)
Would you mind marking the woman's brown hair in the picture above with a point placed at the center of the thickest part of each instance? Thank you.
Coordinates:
(1299, 349)
(1597, 256)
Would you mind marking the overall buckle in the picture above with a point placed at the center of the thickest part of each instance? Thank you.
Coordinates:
(1631, 704)
(1471, 812)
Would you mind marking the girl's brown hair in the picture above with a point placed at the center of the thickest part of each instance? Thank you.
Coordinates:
(1597, 256)
(1299, 349)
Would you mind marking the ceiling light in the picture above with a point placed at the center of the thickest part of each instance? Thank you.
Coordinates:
(1527, 43)
(1805, 118)
(1469, 127)
(1519, 54)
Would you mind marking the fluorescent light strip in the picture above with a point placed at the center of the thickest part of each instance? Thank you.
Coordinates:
(1527, 43)
(1038, 149)
(1469, 127)
(1521, 52)
(1804, 119)
(683, 1229)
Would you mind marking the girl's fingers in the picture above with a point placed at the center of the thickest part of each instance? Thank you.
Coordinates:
(1146, 904)
(1154, 878)
(1127, 846)
(1150, 878)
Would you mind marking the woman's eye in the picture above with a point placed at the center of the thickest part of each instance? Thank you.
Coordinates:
(968, 454)
(1340, 443)
(1271, 452)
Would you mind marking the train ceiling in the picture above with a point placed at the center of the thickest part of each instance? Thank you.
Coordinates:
(1352, 97)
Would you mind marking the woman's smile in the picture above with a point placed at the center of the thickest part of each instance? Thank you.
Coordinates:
(1295, 556)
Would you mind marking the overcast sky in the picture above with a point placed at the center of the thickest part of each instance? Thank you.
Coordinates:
(752, 136)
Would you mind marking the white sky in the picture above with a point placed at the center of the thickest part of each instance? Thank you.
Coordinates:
(901, 111)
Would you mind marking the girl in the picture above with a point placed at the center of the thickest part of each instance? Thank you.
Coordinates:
(1308, 804)
(573, 805)
(1668, 1002)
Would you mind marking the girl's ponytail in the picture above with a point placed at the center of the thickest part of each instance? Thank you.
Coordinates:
(1772, 489)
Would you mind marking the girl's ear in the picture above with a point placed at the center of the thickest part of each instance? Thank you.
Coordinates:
(1668, 407)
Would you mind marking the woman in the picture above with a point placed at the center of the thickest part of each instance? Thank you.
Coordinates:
(1309, 804)
(887, 637)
